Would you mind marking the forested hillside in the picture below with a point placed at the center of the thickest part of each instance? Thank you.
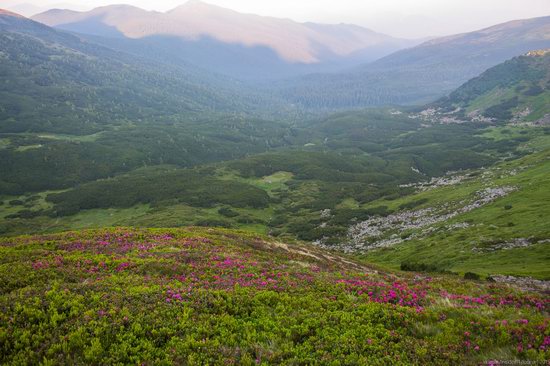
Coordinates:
(72, 111)
(49, 75)
(518, 89)
(419, 74)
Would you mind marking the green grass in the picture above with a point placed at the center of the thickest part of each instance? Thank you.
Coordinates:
(349, 203)
(64, 137)
(269, 183)
(489, 99)
(28, 147)
(33, 202)
(142, 215)
(540, 106)
(521, 214)
(509, 132)
(4, 143)
(107, 218)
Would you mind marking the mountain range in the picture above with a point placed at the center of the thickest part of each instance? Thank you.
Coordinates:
(422, 73)
(243, 45)
(280, 64)
(313, 66)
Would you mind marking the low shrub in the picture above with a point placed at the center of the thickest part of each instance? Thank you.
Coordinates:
(471, 276)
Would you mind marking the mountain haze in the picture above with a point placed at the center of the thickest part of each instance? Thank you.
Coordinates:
(204, 32)
(422, 73)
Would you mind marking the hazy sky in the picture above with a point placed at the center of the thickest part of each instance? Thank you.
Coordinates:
(404, 18)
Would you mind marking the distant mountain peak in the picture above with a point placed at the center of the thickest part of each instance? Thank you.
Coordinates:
(191, 4)
(196, 2)
(117, 8)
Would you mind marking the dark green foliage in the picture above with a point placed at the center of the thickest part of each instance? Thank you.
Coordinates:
(24, 214)
(533, 90)
(47, 80)
(249, 220)
(213, 223)
(227, 212)
(334, 168)
(327, 167)
(149, 186)
(502, 111)
(58, 165)
(50, 75)
(471, 276)
(62, 164)
(420, 267)
(413, 204)
(345, 216)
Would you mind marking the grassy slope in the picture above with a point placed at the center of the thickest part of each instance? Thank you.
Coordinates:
(205, 296)
(489, 225)
(538, 106)
(450, 250)
(168, 215)
(524, 79)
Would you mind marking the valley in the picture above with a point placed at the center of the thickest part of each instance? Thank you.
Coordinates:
(201, 186)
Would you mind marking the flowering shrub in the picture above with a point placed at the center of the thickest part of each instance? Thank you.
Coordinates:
(203, 296)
